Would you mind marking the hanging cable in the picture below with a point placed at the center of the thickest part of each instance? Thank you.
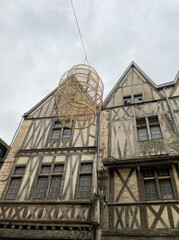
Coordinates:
(86, 59)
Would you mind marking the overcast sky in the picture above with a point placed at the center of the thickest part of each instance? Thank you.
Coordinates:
(39, 41)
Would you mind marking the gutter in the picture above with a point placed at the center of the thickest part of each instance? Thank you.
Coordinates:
(98, 150)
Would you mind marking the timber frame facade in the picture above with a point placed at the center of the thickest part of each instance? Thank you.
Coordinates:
(118, 179)
(140, 143)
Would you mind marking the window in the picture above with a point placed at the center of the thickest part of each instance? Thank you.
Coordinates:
(137, 98)
(15, 183)
(132, 99)
(59, 131)
(157, 183)
(49, 181)
(85, 180)
(127, 100)
(148, 128)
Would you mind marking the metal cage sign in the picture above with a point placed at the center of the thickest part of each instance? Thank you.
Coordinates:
(79, 97)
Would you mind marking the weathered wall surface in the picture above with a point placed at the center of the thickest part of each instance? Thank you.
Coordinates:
(34, 148)
(9, 162)
(122, 132)
(70, 177)
(127, 214)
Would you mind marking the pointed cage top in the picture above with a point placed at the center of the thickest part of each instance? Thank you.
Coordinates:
(79, 97)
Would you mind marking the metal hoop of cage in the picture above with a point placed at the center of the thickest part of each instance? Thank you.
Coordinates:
(79, 97)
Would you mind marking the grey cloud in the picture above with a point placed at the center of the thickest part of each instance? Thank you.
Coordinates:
(39, 42)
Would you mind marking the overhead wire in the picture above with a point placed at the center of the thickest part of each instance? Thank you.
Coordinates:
(78, 26)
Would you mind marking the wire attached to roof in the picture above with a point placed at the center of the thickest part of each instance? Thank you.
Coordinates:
(86, 59)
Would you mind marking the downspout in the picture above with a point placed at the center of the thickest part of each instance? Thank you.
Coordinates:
(171, 112)
(98, 145)
(12, 141)
(98, 149)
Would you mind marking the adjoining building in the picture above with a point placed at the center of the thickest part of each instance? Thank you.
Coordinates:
(117, 179)
(3, 150)
(140, 143)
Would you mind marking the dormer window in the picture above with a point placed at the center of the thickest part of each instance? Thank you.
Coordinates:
(127, 100)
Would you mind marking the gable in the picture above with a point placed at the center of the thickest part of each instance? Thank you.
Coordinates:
(133, 83)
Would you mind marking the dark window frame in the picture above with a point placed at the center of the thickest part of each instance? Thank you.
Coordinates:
(50, 176)
(148, 123)
(158, 180)
(85, 172)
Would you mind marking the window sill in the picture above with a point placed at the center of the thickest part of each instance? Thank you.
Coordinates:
(47, 202)
(157, 202)
(150, 140)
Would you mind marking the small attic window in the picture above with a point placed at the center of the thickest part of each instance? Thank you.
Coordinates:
(138, 98)
(127, 100)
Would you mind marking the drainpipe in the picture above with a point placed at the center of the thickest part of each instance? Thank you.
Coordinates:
(98, 149)
(171, 112)
(13, 139)
(98, 144)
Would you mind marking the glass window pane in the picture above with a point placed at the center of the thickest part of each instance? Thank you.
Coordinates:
(55, 187)
(150, 189)
(140, 121)
(45, 169)
(153, 119)
(14, 188)
(127, 100)
(155, 132)
(41, 187)
(163, 171)
(86, 167)
(85, 186)
(56, 133)
(138, 98)
(148, 172)
(142, 134)
(58, 168)
(19, 170)
(66, 132)
(58, 125)
(166, 189)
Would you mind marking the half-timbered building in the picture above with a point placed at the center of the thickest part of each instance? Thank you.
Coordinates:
(48, 180)
(117, 179)
(140, 145)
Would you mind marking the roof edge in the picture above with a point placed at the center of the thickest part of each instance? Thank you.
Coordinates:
(140, 70)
